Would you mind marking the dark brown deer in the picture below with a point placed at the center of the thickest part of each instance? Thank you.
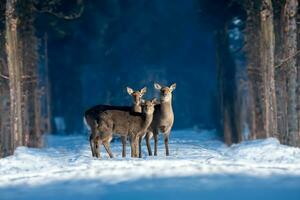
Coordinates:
(163, 119)
(126, 123)
(91, 116)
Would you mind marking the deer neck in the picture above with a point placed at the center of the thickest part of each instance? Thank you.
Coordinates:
(147, 120)
(137, 108)
(166, 108)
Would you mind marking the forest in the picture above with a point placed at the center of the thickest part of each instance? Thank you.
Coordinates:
(204, 93)
(46, 75)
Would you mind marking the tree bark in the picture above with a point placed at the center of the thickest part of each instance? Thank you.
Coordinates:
(298, 73)
(242, 102)
(260, 54)
(31, 93)
(6, 141)
(289, 39)
(286, 72)
(267, 44)
(226, 87)
(47, 89)
(14, 63)
(280, 76)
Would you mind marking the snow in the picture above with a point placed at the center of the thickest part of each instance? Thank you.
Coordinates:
(200, 167)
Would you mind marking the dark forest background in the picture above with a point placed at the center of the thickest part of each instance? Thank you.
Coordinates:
(236, 64)
(115, 44)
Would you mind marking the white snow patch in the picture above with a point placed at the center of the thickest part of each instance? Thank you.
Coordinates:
(200, 164)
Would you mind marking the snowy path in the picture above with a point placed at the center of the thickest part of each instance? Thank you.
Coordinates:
(200, 167)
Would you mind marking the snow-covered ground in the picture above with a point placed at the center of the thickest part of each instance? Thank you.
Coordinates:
(200, 167)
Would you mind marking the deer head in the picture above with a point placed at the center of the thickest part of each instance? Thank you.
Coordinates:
(165, 92)
(137, 95)
(148, 106)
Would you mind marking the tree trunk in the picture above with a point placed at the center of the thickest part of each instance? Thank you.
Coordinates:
(251, 38)
(6, 141)
(286, 72)
(290, 48)
(241, 107)
(14, 63)
(29, 57)
(226, 87)
(267, 44)
(260, 51)
(47, 89)
(280, 76)
(298, 73)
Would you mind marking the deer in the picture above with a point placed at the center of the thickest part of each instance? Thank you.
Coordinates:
(163, 119)
(126, 123)
(91, 116)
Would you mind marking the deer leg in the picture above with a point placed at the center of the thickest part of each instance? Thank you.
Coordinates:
(123, 139)
(93, 126)
(92, 145)
(97, 143)
(106, 145)
(140, 147)
(136, 148)
(155, 135)
(166, 139)
(148, 137)
(132, 147)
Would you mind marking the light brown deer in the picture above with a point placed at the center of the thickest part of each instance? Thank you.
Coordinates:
(126, 123)
(91, 116)
(136, 107)
(163, 119)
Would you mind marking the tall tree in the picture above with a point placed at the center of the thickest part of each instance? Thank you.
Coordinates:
(14, 69)
(286, 73)
(221, 16)
(31, 106)
(290, 49)
(6, 141)
(280, 78)
(259, 36)
(298, 72)
(226, 86)
(57, 19)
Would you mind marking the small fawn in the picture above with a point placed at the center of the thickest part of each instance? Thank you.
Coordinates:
(126, 123)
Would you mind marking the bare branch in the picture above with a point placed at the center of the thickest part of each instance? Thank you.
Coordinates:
(287, 59)
(3, 63)
(4, 76)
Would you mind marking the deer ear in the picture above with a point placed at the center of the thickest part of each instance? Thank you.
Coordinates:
(157, 86)
(143, 101)
(154, 101)
(129, 90)
(173, 86)
(143, 91)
